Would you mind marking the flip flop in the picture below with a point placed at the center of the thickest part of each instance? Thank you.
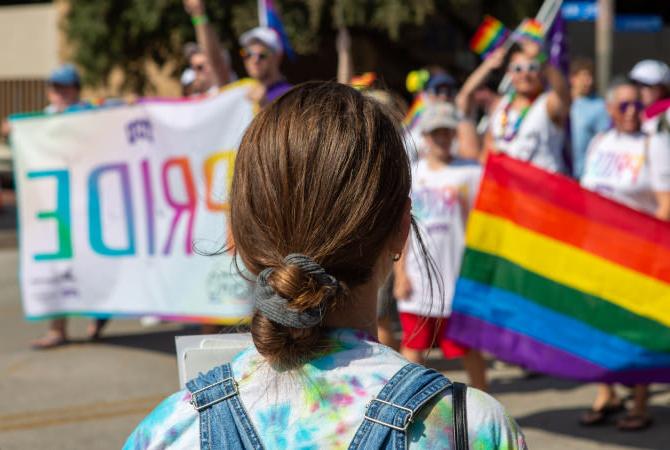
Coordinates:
(48, 342)
(634, 422)
(600, 416)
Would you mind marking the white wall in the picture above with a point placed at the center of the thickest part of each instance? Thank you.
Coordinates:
(28, 41)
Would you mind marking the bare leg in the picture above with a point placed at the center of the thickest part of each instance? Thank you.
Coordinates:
(415, 356)
(640, 397)
(606, 396)
(385, 332)
(95, 328)
(475, 366)
(55, 336)
(638, 417)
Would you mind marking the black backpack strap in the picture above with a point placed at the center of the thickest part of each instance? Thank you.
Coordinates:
(460, 416)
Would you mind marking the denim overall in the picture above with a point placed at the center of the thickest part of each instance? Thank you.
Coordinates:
(224, 423)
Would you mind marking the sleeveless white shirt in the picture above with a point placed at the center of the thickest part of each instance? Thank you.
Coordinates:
(538, 139)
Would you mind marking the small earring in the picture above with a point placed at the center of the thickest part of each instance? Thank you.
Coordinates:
(396, 257)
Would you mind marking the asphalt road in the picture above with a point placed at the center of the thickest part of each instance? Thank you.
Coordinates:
(91, 395)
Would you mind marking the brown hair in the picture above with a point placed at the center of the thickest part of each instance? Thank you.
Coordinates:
(579, 64)
(322, 171)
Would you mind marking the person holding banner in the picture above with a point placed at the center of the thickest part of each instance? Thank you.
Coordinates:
(63, 92)
(527, 123)
(262, 52)
(320, 212)
(631, 167)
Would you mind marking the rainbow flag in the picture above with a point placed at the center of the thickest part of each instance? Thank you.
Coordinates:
(268, 16)
(490, 35)
(417, 108)
(564, 281)
(530, 29)
(364, 80)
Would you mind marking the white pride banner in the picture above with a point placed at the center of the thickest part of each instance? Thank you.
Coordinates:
(116, 205)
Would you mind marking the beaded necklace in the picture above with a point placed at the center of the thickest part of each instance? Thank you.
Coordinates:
(507, 135)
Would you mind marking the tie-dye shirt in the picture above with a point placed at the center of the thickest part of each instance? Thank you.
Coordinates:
(322, 405)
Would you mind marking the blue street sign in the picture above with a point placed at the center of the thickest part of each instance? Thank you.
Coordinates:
(584, 11)
(642, 23)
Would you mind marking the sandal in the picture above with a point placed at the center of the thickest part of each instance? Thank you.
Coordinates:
(600, 416)
(634, 422)
(48, 341)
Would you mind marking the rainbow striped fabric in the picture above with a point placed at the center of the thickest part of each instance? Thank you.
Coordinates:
(414, 113)
(530, 29)
(490, 35)
(563, 281)
(269, 17)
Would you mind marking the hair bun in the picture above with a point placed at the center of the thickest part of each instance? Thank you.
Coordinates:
(303, 282)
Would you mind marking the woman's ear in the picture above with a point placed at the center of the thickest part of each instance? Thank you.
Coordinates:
(400, 239)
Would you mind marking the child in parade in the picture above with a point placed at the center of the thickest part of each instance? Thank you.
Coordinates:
(320, 211)
(443, 192)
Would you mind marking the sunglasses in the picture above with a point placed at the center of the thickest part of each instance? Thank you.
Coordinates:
(443, 89)
(530, 67)
(623, 106)
(198, 67)
(247, 54)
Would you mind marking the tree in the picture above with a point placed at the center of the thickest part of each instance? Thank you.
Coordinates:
(109, 34)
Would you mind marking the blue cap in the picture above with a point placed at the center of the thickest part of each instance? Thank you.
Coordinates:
(440, 79)
(65, 75)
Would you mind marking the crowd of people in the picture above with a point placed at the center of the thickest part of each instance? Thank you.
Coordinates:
(618, 146)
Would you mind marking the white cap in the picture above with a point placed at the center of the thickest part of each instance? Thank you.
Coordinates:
(439, 115)
(187, 77)
(265, 35)
(651, 72)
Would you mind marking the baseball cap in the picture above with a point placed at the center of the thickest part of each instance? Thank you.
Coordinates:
(651, 72)
(439, 115)
(265, 35)
(65, 75)
(440, 79)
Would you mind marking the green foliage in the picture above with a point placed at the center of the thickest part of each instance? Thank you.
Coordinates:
(106, 34)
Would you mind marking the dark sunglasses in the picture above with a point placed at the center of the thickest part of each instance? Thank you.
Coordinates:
(530, 67)
(198, 67)
(246, 54)
(623, 106)
(443, 89)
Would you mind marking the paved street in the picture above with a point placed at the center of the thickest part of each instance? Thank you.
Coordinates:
(90, 396)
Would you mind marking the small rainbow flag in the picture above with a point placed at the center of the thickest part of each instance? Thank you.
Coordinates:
(417, 108)
(268, 16)
(490, 35)
(364, 80)
(564, 281)
(530, 29)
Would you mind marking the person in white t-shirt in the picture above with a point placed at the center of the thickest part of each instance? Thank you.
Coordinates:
(528, 123)
(443, 193)
(631, 167)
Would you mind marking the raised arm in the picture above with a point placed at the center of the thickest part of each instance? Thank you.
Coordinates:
(469, 142)
(345, 64)
(558, 102)
(208, 41)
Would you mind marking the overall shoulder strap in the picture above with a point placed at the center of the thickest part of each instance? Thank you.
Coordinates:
(211, 388)
(224, 423)
(389, 415)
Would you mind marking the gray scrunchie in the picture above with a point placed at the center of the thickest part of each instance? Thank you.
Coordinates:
(276, 308)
